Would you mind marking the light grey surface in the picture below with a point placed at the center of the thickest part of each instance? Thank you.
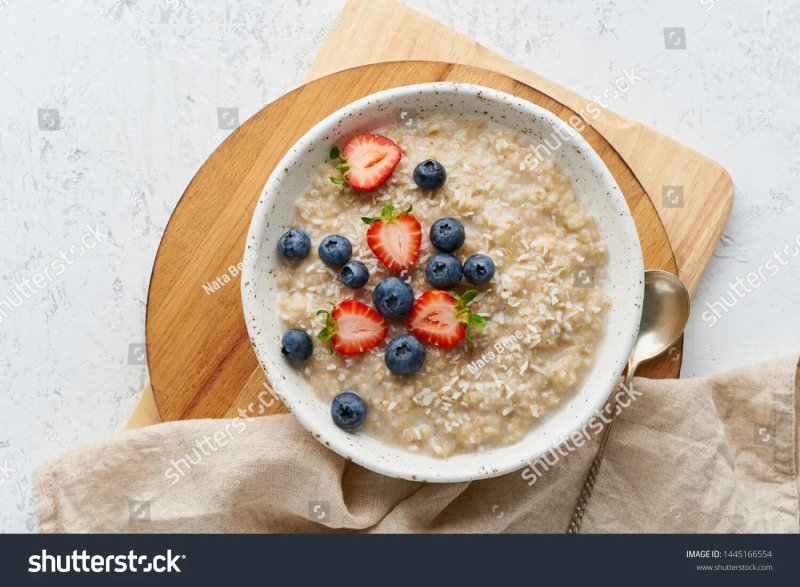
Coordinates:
(138, 84)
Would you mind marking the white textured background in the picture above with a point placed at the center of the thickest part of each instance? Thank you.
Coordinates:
(137, 84)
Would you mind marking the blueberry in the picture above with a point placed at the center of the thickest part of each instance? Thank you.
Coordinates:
(335, 250)
(393, 297)
(443, 271)
(294, 245)
(405, 355)
(447, 235)
(430, 175)
(296, 346)
(348, 410)
(355, 274)
(479, 269)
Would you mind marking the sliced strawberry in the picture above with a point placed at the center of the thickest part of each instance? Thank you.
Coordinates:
(443, 318)
(352, 328)
(395, 237)
(367, 161)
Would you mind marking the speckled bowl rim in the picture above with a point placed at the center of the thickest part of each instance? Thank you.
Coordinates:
(389, 459)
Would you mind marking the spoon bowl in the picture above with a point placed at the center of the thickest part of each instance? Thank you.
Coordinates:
(665, 312)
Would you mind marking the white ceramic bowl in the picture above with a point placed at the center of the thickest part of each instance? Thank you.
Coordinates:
(594, 185)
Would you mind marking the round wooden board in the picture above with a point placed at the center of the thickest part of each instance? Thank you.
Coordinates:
(199, 354)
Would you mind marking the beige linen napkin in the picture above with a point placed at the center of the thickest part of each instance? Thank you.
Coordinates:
(716, 454)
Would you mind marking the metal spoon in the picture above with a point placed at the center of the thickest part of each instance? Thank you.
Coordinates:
(665, 311)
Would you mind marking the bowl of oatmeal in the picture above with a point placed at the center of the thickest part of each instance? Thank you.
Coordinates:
(442, 282)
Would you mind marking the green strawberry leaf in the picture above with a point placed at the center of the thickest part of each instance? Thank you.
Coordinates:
(327, 333)
(388, 211)
(468, 296)
(388, 214)
(477, 321)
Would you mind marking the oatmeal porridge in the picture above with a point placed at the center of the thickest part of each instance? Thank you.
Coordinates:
(543, 313)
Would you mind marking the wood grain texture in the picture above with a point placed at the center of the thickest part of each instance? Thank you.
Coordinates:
(199, 354)
(374, 31)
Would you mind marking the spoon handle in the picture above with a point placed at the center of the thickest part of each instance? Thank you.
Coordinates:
(588, 485)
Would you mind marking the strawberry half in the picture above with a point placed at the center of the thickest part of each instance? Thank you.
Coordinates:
(394, 237)
(367, 161)
(443, 318)
(352, 328)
